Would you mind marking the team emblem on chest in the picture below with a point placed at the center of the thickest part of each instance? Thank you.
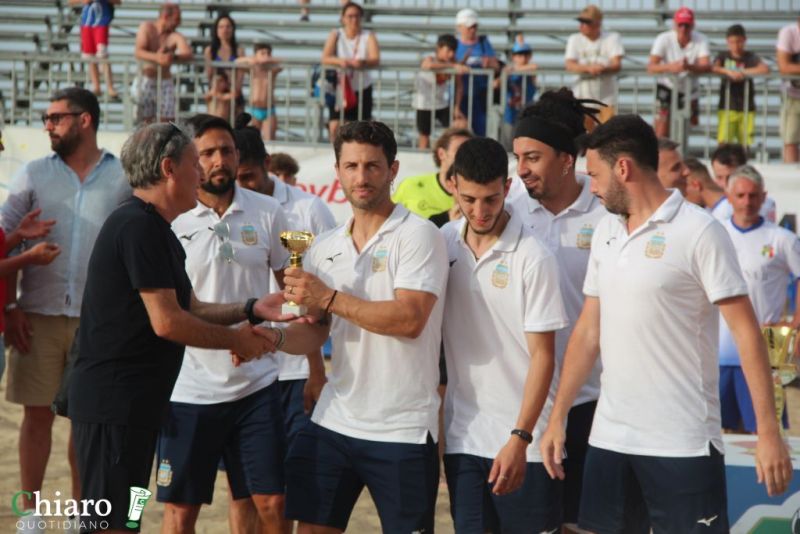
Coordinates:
(655, 247)
(585, 237)
(164, 476)
(768, 251)
(379, 260)
(500, 275)
(249, 235)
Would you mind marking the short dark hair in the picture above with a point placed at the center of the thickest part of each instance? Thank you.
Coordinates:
(447, 40)
(202, 122)
(80, 100)
(665, 143)
(698, 168)
(736, 30)
(248, 141)
(481, 160)
(561, 107)
(444, 141)
(262, 46)
(348, 5)
(625, 134)
(373, 133)
(730, 154)
(283, 163)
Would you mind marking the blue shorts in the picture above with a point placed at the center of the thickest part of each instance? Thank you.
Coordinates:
(295, 417)
(247, 434)
(261, 114)
(326, 471)
(579, 426)
(629, 493)
(735, 401)
(535, 507)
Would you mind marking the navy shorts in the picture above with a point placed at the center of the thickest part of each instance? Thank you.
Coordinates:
(630, 494)
(295, 417)
(111, 459)
(579, 426)
(246, 433)
(735, 401)
(326, 471)
(534, 507)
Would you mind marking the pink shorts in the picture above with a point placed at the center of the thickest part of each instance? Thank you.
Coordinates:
(94, 41)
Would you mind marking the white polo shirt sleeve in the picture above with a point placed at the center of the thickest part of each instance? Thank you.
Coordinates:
(791, 251)
(544, 307)
(423, 261)
(660, 45)
(599, 237)
(715, 264)
(276, 223)
(320, 217)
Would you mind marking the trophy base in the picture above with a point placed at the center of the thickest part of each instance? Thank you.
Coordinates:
(290, 308)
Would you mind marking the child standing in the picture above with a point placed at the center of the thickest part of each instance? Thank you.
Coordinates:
(263, 70)
(520, 87)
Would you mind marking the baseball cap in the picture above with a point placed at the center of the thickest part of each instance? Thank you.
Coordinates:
(467, 17)
(590, 13)
(521, 48)
(684, 16)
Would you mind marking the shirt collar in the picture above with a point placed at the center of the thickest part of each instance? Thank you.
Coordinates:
(750, 228)
(581, 204)
(665, 212)
(236, 204)
(281, 191)
(508, 240)
(104, 155)
(398, 215)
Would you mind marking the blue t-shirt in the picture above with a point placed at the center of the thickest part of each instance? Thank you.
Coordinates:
(97, 14)
(514, 99)
(475, 54)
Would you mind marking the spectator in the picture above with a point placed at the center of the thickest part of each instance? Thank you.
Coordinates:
(220, 96)
(520, 87)
(769, 256)
(596, 56)
(701, 189)
(735, 66)
(672, 172)
(680, 52)
(788, 56)
(77, 185)
(284, 167)
(158, 46)
(263, 70)
(724, 160)
(432, 89)
(96, 17)
(430, 195)
(224, 48)
(476, 52)
(353, 50)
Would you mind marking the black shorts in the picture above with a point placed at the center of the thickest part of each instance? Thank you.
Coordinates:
(111, 460)
(633, 494)
(424, 119)
(352, 114)
(579, 426)
(664, 97)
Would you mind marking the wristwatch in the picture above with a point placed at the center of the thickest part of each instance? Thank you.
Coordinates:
(524, 435)
(248, 311)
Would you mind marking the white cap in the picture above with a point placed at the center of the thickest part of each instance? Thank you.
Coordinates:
(467, 17)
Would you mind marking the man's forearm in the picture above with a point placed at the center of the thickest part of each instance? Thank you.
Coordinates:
(757, 372)
(304, 338)
(388, 317)
(537, 385)
(221, 314)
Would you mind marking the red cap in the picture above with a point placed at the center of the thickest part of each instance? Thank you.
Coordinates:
(684, 16)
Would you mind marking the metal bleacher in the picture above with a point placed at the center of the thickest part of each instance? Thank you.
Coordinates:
(406, 30)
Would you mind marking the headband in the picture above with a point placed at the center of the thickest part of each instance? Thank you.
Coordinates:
(549, 133)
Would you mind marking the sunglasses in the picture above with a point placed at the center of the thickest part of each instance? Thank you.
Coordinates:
(55, 118)
(223, 232)
(585, 21)
(684, 25)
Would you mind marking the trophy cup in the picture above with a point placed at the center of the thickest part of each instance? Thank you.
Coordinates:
(780, 347)
(296, 243)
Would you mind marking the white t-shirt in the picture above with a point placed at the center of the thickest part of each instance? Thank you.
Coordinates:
(254, 223)
(770, 258)
(598, 52)
(659, 393)
(491, 304)
(355, 48)
(383, 388)
(308, 213)
(667, 48)
(789, 41)
(722, 210)
(431, 90)
(568, 235)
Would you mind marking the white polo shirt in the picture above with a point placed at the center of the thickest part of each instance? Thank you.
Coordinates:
(568, 235)
(383, 388)
(659, 329)
(254, 222)
(722, 210)
(491, 304)
(770, 258)
(308, 213)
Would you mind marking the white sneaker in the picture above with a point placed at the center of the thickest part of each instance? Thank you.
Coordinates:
(29, 524)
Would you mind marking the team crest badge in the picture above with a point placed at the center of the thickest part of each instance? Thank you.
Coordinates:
(585, 237)
(164, 476)
(379, 260)
(655, 247)
(768, 251)
(249, 235)
(500, 275)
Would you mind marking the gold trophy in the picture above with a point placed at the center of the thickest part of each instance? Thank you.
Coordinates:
(780, 347)
(296, 243)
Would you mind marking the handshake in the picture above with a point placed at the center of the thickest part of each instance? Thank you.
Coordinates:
(252, 342)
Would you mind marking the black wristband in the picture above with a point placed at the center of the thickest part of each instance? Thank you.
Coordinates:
(248, 311)
(522, 434)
